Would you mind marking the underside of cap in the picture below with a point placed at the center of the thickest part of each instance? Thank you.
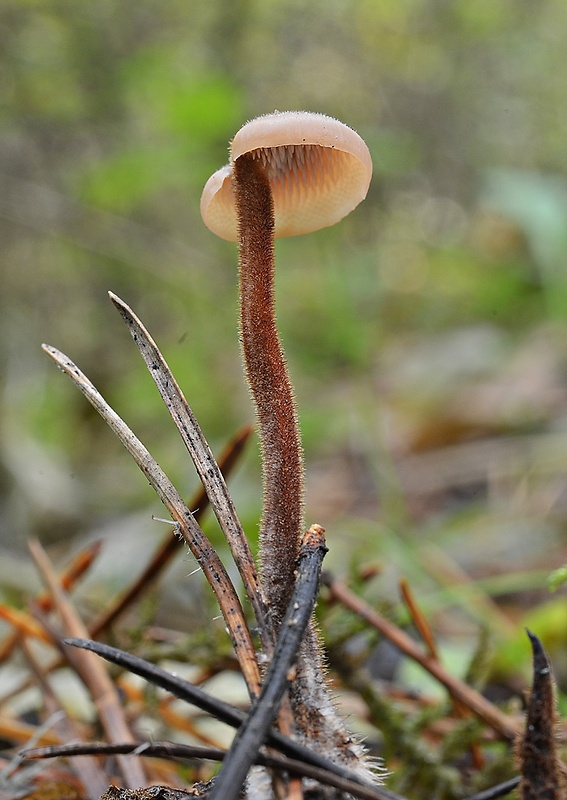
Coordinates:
(319, 171)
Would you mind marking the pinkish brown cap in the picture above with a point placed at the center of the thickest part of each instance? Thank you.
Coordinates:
(319, 171)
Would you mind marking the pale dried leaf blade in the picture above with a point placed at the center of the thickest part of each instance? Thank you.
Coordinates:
(168, 546)
(202, 457)
(75, 569)
(88, 771)
(200, 546)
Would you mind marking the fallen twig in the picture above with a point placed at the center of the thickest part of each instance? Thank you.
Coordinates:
(479, 705)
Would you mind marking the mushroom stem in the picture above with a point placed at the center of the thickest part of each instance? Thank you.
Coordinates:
(270, 386)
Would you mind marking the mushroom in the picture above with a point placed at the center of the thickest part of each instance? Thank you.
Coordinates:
(290, 173)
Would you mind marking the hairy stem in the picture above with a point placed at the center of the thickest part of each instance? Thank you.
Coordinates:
(266, 371)
(314, 714)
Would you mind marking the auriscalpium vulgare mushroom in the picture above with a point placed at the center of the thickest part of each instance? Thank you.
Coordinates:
(289, 173)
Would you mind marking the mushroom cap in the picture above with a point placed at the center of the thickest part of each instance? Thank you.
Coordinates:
(319, 171)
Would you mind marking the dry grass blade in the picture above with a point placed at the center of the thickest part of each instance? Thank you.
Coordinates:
(16, 777)
(205, 464)
(169, 546)
(14, 730)
(199, 545)
(419, 620)
(91, 671)
(424, 630)
(164, 552)
(23, 623)
(252, 733)
(75, 569)
(478, 704)
(86, 769)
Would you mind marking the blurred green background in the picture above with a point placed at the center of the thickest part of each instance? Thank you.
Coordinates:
(426, 333)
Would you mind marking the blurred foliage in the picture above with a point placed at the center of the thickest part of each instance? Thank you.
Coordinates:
(426, 333)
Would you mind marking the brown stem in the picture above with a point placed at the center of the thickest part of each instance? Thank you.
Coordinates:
(282, 518)
(281, 529)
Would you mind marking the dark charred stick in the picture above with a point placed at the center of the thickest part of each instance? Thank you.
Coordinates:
(542, 777)
(165, 680)
(193, 752)
(501, 790)
(222, 711)
(252, 733)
